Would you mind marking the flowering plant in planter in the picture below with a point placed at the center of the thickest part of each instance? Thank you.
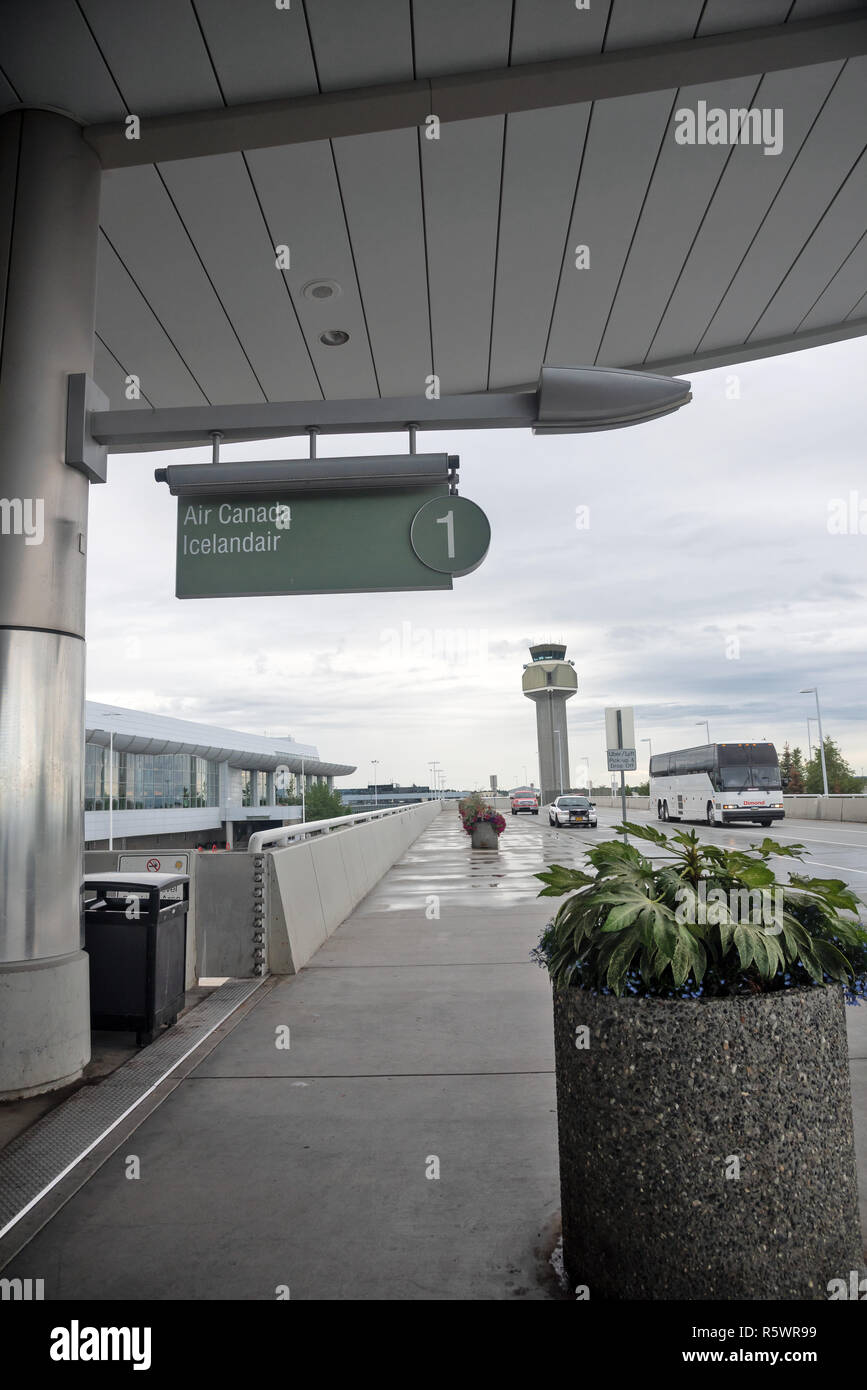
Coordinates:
(703, 921)
(474, 809)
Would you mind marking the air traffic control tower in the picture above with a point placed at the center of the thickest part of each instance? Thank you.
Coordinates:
(549, 680)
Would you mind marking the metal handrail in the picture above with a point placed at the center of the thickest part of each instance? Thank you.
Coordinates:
(284, 833)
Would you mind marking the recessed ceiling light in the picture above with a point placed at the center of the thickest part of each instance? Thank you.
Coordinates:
(334, 337)
(321, 289)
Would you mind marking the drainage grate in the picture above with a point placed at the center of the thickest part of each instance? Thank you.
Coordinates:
(40, 1157)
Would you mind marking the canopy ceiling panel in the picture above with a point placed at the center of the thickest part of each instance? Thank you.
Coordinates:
(108, 371)
(259, 53)
(739, 205)
(381, 186)
(142, 224)
(130, 330)
(359, 43)
(678, 193)
(835, 142)
(833, 241)
(722, 16)
(462, 172)
(49, 58)
(634, 23)
(300, 196)
(548, 30)
(216, 202)
(455, 255)
(452, 36)
(623, 142)
(155, 54)
(850, 280)
(530, 251)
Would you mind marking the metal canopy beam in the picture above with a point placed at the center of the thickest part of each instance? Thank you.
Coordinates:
(568, 400)
(467, 96)
(176, 426)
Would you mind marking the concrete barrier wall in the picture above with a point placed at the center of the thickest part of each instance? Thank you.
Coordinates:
(834, 808)
(613, 803)
(313, 886)
(225, 913)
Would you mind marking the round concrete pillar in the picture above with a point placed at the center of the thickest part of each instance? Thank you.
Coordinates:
(49, 193)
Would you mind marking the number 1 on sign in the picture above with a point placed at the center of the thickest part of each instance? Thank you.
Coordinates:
(449, 522)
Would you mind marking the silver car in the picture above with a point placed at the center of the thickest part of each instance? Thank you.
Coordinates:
(572, 810)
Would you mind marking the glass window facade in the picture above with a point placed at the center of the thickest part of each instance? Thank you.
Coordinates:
(148, 781)
(246, 788)
(286, 788)
(263, 788)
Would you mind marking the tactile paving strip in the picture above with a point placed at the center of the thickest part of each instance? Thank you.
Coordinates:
(39, 1158)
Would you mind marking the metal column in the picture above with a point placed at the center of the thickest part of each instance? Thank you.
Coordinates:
(49, 211)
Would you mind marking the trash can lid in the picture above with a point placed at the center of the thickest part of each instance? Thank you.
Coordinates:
(115, 879)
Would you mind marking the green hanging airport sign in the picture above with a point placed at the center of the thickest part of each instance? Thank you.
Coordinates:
(368, 533)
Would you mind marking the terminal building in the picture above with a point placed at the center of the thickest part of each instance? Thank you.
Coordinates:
(174, 782)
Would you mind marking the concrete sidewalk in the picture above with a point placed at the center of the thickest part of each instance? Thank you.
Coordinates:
(420, 1040)
(417, 1043)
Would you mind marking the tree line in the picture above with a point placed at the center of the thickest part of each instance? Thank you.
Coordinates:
(799, 775)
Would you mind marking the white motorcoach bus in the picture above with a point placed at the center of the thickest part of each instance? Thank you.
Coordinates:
(720, 783)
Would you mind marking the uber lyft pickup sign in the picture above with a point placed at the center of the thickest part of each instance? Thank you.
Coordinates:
(620, 739)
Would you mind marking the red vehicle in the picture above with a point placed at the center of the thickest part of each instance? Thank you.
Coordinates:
(524, 799)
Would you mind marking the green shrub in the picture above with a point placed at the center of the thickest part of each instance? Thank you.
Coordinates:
(675, 926)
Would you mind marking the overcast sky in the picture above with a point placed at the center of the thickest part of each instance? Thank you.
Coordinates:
(707, 585)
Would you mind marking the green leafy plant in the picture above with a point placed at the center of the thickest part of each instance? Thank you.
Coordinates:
(697, 920)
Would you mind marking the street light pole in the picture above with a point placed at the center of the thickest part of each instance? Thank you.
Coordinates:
(814, 690)
(810, 720)
(650, 752)
(706, 727)
(110, 732)
(111, 788)
(374, 763)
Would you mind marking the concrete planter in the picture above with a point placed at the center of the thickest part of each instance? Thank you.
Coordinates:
(667, 1101)
(485, 836)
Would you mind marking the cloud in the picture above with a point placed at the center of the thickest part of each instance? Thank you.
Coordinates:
(704, 527)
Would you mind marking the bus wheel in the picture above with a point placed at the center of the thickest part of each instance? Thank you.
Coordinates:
(764, 822)
(710, 815)
(663, 814)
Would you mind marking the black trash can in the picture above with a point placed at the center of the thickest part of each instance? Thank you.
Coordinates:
(135, 933)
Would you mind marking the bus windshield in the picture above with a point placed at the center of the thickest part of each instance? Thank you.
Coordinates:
(736, 779)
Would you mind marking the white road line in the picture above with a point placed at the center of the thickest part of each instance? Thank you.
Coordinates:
(777, 834)
(843, 869)
(819, 863)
